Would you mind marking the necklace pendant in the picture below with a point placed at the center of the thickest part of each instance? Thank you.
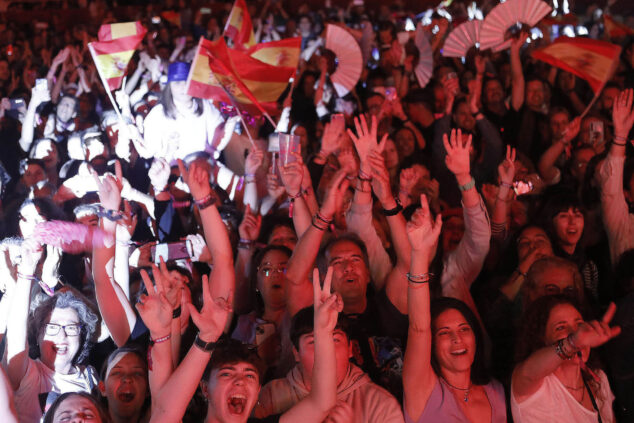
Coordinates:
(466, 396)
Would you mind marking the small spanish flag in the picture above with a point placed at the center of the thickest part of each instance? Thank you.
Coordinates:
(112, 53)
(239, 27)
(592, 60)
(283, 53)
(616, 29)
(172, 17)
(232, 76)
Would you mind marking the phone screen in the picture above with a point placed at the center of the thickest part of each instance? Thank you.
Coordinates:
(172, 251)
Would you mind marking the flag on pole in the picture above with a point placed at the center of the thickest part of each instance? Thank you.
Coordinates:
(283, 53)
(239, 27)
(591, 60)
(218, 72)
(112, 53)
(616, 29)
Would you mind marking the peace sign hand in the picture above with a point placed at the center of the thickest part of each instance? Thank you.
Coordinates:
(422, 230)
(327, 305)
(154, 308)
(212, 318)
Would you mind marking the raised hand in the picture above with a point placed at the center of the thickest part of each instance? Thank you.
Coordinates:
(597, 332)
(273, 187)
(381, 179)
(253, 161)
(407, 181)
(154, 308)
(212, 318)
(331, 139)
(457, 159)
(506, 169)
(422, 230)
(30, 255)
(336, 190)
(292, 175)
(327, 305)
(623, 114)
(571, 131)
(159, 174)
(109, 191)
(196, 178)
(348, 161)
(365, 140)
(250, 226)
(480, 64)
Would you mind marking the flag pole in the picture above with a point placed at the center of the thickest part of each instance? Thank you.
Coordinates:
(105, 83)
(235, 105)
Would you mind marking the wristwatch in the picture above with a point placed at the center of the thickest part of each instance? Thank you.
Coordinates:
(204, 346)
(396, 210)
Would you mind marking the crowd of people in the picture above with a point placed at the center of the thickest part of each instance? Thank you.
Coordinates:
(460, 251)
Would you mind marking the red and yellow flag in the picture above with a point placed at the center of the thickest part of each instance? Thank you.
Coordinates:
(112, 53)
(592, 60)
(229, 75)
(239, 27)
(172, 17)
(616, 29)
(283, 53)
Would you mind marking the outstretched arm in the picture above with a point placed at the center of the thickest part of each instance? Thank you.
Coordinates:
(517, 75)
(323, 392)
(298, 294)
(222, 277)
(7, 409)
(529, 375)
(419, 378)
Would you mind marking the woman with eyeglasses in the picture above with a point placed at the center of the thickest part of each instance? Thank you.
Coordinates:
(61, 329)
(262, 326)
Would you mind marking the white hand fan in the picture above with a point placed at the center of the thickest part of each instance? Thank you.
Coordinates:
(505, 15)
(348, 53)
(461, 39)
(425, 66)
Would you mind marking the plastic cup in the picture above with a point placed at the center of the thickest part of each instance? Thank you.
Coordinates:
(288, 144)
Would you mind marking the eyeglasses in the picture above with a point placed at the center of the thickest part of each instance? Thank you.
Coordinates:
(269, 270)
(73, 329)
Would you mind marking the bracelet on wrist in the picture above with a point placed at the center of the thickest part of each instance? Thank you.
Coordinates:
(395, 210)
(161, 339)
(364, 176)
(467, 186)
(204, 346)
(416, 281)
(506, 184)
(293, 197)
(205, 202)
(319, 223)
(111, 215)
(27, 277)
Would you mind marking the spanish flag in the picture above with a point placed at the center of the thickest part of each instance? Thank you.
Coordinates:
(592, 60)
(239, 28)
(112, 53)
(172, 17)
(233, 76)
(616, 29)
(283, 53)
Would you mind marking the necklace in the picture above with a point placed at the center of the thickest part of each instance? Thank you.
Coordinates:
(466, 390)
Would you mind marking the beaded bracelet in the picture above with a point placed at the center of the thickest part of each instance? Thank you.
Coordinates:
(506, 184)
(161, 339)
(205, 202)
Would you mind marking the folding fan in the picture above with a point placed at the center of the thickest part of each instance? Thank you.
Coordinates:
(506, 15)
(425, 65)
(350, 60)
(461, 39)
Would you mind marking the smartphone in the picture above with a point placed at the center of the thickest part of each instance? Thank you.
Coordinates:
(10, 50)
(522, 187)
(263, 331)
(156, 20)
(205, 11)
(171, 251)
(41, 84)
(596, 132)
(17, 103)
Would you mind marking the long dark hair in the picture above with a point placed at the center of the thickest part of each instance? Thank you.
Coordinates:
(169, 108)
(479, 371)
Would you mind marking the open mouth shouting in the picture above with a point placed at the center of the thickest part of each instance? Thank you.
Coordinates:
(237, 403)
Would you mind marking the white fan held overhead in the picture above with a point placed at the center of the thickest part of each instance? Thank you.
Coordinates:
(349, 57)
(461, 39)
(425, 66)
(506, 15)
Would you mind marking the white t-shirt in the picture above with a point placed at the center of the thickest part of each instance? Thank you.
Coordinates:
(39, 379)
(173, 139)
(554, 403)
